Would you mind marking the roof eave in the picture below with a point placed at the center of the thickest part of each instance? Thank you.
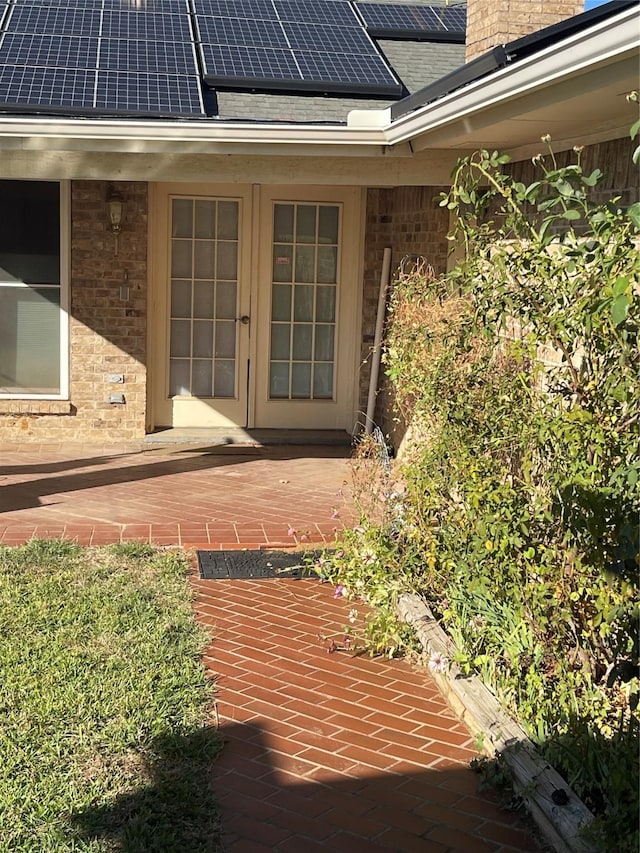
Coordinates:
(605, 42)
(161, 136)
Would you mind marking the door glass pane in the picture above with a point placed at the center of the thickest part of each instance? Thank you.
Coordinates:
(228, 212)
(302, 342)
(323, 381)
(306, 263)
(280, 341)
(227, 261)
(325, 304)
(324, 343)
(226, 300)
(225, 339)
(203, 293)
(300, 380)
(283, 223)
(282, 258)
(306, 223)
(303, 302)
(303, 353)
(202, 382)
(327, 264)
(205, 225)
(281, 309)
(179, 378)
(181, 252)
(203, 339)
(181, 299)
(182, 217)
(204, 259)
(180, 338)
(204, 297)
(279, 380)
(328, 224)
(224, 379)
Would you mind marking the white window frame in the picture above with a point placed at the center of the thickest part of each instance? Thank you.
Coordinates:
(65, 267)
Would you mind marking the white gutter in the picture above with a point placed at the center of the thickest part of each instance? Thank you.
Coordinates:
(605, 41)
(204, 134)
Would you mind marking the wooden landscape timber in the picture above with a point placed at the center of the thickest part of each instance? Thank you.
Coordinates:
(478, 708)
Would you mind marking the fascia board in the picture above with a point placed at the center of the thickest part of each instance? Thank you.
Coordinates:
(605, 42)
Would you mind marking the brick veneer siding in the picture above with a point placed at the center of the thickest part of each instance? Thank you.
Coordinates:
(614, 159)
(409, 220)
(107, 334)
(494, 22)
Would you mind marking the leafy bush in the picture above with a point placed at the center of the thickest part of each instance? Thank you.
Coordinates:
(518, 513)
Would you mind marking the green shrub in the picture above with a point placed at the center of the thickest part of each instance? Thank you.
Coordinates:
(517, 517)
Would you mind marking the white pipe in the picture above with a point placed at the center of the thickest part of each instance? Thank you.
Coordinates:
(376, 352)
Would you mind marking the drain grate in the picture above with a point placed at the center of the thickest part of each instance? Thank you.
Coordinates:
(238, 565)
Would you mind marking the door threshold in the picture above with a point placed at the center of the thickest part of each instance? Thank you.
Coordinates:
(223, 436)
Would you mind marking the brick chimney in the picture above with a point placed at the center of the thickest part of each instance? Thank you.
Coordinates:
(494, 22)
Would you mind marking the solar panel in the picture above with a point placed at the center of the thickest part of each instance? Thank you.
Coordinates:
(339, 12)
(388, 20)
(227, 63)
(145, 26)
(163, 57)
(54, 87)
(46, 20)
(314, 71)
(454, 18)
(164, 94)
(402, 17)
(346, 72)
(48, 51)
(236, 31)
(248, 10)
(331, 39)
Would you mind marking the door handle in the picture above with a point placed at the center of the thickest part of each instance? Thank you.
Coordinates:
(244, 319)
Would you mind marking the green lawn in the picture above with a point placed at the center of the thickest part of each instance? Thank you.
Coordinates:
(104, 743)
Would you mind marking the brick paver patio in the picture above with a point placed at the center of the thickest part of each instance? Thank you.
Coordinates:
(323, 751)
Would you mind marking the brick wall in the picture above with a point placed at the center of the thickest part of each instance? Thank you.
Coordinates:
(107, 333)
(409, 220)
(494, 22)
(612, 158)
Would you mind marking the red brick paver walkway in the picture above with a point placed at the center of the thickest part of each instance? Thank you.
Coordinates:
(330, 751)
(220, 497)
(324, 751)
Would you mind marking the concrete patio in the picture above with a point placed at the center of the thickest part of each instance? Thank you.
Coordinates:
(323, 751)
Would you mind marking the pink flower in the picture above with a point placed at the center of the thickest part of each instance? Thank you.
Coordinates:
(335, 514)
(291, 531)
(438, 662)
(339, 591)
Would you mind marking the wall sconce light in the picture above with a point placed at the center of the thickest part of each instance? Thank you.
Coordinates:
(115, 213)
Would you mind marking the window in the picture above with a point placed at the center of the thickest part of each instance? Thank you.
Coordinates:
(33, 335)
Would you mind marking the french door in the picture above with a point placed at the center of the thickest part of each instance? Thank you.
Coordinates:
(255, 298)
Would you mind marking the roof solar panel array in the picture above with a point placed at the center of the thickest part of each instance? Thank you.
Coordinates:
(305, 45)
(159, 57)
